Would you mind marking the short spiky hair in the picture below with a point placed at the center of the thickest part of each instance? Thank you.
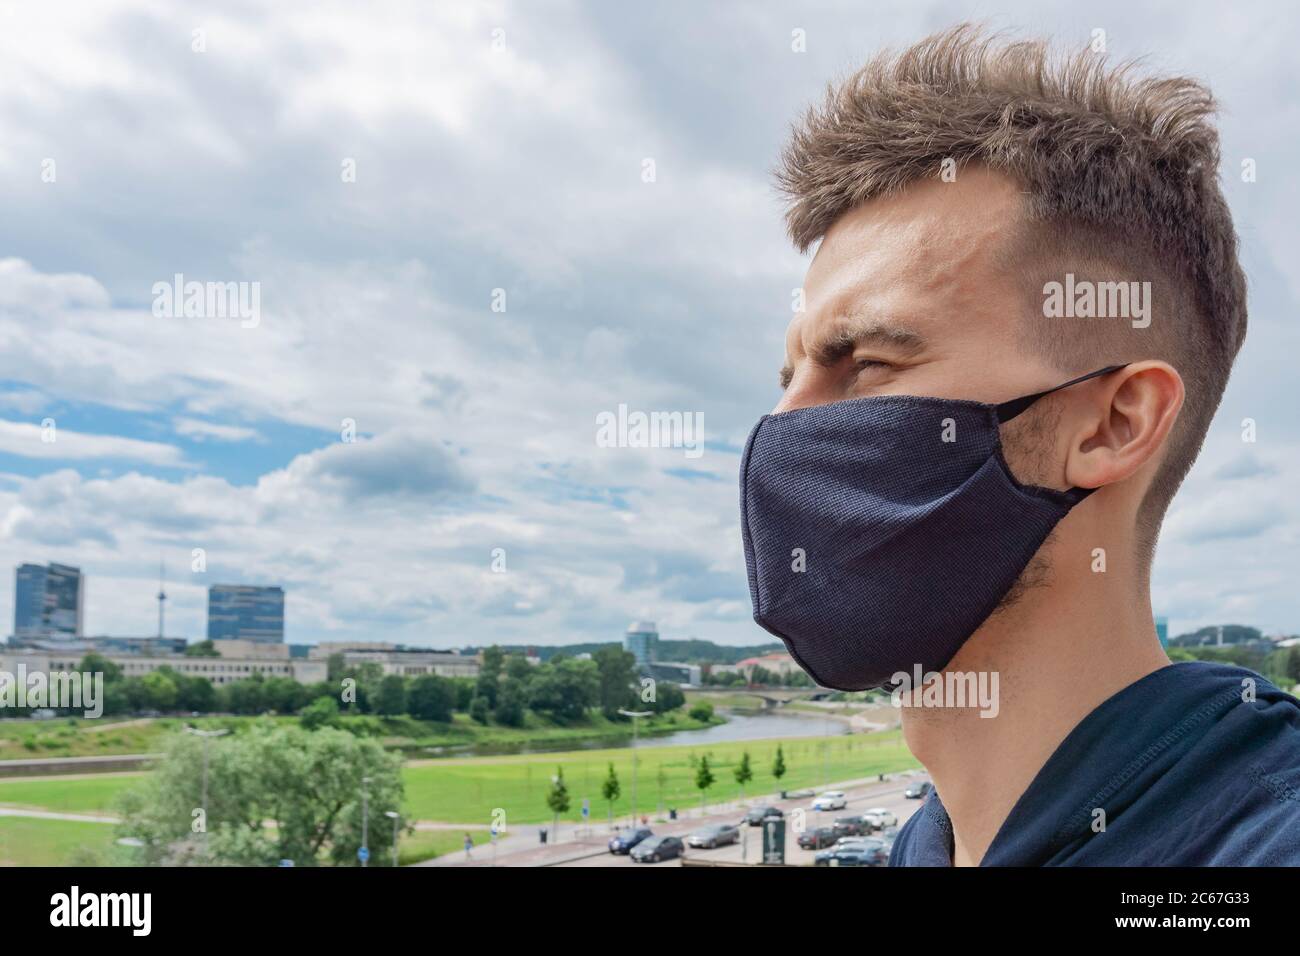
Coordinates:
(1119, 174)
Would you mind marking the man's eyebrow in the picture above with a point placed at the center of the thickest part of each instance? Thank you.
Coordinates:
(849, 335)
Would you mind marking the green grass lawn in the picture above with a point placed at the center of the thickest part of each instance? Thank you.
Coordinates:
(90, 793)
(28, 841)
(735, 700)
(468, 790)
(22, 739)
(31, 842)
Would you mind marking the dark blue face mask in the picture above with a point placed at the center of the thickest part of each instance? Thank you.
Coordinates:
(881, 532)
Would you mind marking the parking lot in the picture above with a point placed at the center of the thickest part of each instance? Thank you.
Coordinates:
(887, 795)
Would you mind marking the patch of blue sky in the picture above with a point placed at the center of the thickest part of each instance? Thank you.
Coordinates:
(238, 450)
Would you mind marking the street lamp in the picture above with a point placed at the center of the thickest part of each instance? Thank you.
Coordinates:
(634, 714)
(394, 816)
(207, 735)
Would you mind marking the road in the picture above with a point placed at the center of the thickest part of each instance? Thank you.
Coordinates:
(523, 848)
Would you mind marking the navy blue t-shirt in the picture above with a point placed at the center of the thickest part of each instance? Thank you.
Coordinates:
(1188, 770)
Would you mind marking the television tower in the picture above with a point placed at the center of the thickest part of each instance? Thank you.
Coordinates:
(162, 596)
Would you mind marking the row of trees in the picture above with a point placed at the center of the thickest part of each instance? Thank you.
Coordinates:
(506, 690)
(1280, 665)
(558, 801)
(758, 676)
(564, 688)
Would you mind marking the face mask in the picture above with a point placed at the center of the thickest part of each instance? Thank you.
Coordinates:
(881, 532)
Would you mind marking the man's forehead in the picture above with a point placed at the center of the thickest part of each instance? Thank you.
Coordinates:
(916, 258)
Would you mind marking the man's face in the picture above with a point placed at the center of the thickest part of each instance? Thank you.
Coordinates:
(906, 297)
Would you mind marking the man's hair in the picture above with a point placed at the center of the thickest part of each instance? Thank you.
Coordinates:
(1120, 182)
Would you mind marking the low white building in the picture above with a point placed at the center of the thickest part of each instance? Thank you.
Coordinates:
(219, 670)
(405, 662)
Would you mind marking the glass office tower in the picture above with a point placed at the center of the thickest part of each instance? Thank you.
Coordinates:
(48, 601)
(642, 641)
(246, 612)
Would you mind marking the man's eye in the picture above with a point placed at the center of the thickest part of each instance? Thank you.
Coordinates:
(864, 365)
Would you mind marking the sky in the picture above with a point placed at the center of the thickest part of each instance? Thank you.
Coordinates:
(461, 262)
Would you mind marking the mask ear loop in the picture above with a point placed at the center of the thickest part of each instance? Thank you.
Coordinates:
(1009, 410)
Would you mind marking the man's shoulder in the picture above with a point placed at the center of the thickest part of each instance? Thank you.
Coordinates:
(1236, 793)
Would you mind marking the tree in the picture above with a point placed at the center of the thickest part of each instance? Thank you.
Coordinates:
(778, 765)
(478, 710)
(517, 666)
(275, 792)
(703, 778)
(611, 790)
(431, 698)
(489, 675)
(464, 692)
(391, 700)
(195, 694)
(668, 696)
(616, 670)
(243, 696)
(202, 649)
(1292, 665)
(321, 712)
(512, 702)
(94, 663)
(160, 690)
(564, 689)
(558, 800)
(702, 711)
(284, 695)
(744, 773)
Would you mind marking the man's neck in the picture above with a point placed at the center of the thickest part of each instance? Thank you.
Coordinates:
(1058, 654)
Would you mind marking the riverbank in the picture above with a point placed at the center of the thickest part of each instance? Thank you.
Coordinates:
(23, 741)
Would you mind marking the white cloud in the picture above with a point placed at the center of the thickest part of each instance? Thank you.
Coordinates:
(51, 442)
(197, 429)
(478, 170)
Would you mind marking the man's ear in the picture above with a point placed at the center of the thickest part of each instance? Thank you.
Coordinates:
(1124, 423)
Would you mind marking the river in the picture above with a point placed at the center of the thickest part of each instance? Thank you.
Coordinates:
(737, 727)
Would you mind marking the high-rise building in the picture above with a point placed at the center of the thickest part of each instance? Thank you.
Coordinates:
(247, 612)
(48, 601)
(1162, 630)
(642, 641)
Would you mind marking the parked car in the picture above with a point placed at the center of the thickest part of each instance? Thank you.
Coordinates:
(757, 815)
(715, 836)
(817, 838)
(919, 791)
(877, 818)
(889, 835)
(622, 842)
(866, 853)
(849, 826)
(830, 800)
(655, 848)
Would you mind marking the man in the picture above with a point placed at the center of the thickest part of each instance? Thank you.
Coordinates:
(994, 224)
